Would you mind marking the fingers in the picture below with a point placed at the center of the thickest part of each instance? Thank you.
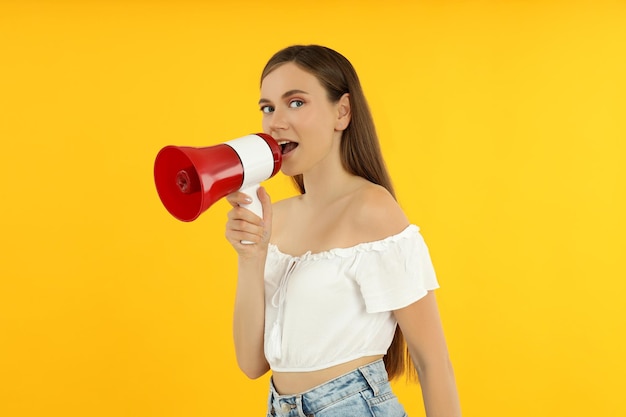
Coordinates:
(238, 198)
(245, 226)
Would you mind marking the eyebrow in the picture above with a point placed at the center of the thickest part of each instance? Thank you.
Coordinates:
(285, 95)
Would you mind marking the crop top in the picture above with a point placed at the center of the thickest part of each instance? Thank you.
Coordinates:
(324, 309)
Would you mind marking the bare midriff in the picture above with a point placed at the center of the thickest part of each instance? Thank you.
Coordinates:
(291, 383)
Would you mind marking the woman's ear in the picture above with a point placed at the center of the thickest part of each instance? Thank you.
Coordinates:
(344, 114)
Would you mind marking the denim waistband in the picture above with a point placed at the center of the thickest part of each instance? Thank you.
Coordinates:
(372, 376)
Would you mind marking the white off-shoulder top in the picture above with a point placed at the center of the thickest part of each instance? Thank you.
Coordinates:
(324, 309)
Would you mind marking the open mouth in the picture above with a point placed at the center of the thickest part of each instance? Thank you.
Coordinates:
(287, 146)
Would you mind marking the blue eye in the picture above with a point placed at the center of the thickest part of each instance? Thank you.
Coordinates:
(267, 109)
(296, 103)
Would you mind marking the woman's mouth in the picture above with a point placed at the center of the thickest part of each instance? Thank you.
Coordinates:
(287, 146)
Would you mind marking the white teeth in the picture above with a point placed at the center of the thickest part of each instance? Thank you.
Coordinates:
(282, 142)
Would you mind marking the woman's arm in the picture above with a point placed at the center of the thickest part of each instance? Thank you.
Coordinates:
(249, 319)
(421, 326)
(249, 312)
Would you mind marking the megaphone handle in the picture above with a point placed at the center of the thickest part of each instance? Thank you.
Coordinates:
(255, 206)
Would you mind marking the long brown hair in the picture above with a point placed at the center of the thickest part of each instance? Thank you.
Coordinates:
(360, 149)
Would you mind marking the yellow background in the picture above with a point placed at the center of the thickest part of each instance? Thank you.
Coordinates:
(504, 127)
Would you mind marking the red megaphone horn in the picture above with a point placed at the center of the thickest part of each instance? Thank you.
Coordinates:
(189, 180)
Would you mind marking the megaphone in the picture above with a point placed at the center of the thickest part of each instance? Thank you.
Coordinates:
(189, 180)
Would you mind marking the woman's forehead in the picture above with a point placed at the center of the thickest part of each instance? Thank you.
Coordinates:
(288, 77)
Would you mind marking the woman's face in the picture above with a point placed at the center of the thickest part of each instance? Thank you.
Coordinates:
(299, 115)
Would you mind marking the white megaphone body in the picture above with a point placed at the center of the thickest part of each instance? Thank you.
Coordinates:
(189, 180)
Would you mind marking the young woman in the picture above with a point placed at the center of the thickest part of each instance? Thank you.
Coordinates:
(338, 283)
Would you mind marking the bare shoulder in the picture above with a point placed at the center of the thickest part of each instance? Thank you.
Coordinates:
(376, 213)
(281, 214)
(282, 205)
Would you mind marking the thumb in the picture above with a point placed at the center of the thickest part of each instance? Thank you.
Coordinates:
(266, 203)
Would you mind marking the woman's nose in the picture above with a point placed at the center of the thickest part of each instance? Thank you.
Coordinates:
(278, 121)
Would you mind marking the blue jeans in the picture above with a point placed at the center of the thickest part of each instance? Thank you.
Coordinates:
(364, 392)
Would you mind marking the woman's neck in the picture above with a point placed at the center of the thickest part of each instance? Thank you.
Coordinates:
(329, 180)
(327, 186)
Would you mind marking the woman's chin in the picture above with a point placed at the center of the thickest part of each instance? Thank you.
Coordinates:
(289, 170)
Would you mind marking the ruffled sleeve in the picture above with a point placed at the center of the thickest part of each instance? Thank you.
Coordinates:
(394, 272)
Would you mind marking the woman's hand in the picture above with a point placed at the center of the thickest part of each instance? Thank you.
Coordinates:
(245, 226)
